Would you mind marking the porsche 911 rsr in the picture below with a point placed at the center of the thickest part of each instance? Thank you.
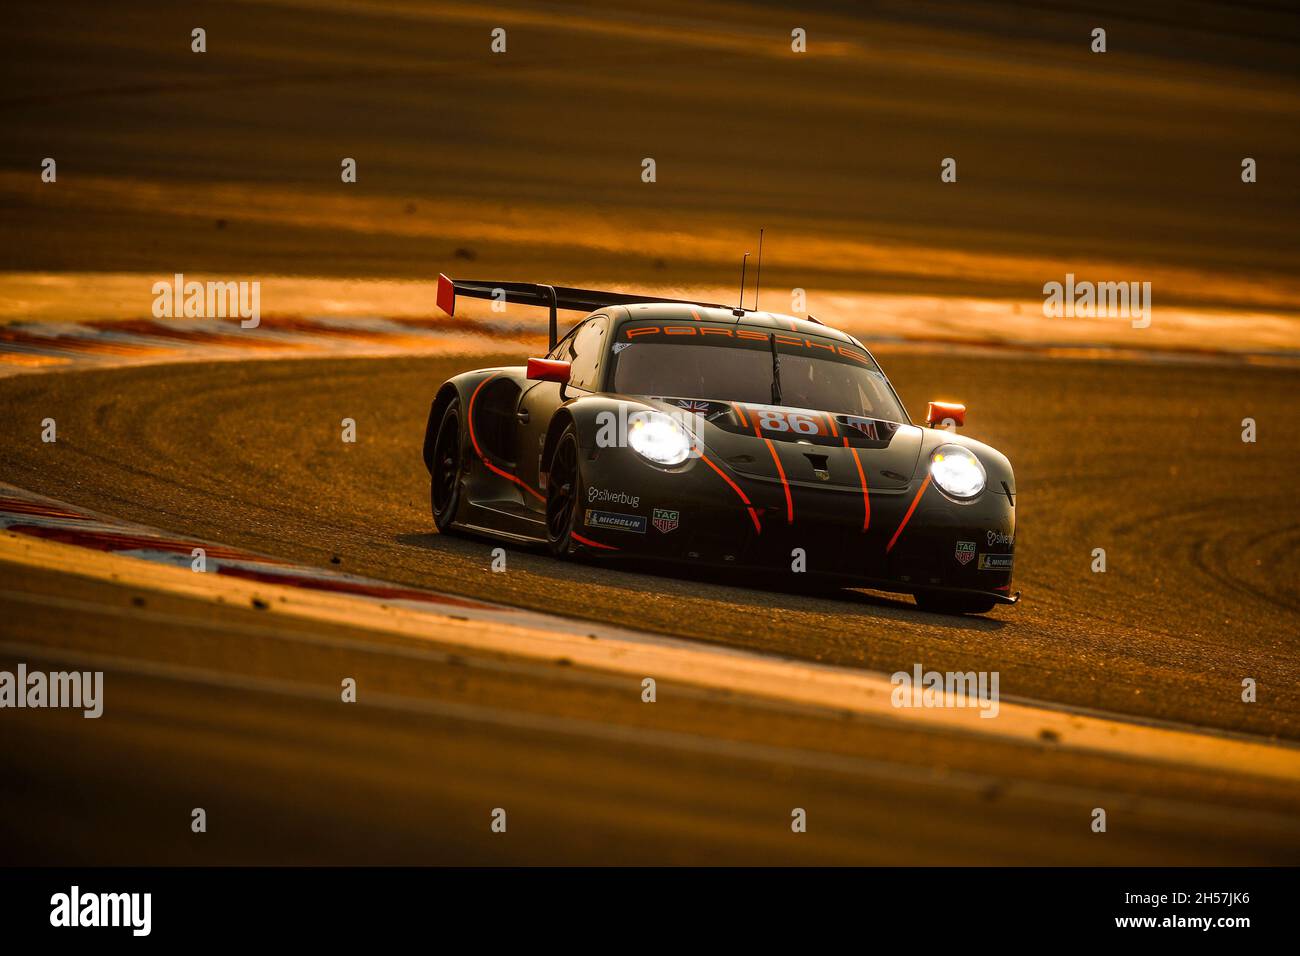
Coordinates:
(695, 433)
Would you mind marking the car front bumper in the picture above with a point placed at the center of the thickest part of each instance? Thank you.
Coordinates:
(906, 540)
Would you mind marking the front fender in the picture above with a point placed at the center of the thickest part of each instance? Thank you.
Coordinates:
(589, 414)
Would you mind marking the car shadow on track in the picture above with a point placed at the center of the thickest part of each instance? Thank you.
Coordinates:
(696, 583)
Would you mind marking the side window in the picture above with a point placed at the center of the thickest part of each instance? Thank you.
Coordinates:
(586, 351)
(563, 351)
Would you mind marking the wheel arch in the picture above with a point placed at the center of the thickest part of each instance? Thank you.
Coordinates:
(460, 386)
(446, 393)
(584, 413)
(561, 420)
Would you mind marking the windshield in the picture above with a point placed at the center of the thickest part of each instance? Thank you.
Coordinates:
(818, 374)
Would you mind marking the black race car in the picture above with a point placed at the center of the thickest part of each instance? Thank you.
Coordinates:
(703, 434)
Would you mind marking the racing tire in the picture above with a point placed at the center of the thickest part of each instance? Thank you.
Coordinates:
(448, 465)
(563, 493)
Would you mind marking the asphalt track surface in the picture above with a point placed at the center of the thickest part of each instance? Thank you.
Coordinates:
(1200, 530)
(1145, 461)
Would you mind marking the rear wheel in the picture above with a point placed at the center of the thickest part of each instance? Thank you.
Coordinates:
(444, 476)
(940, 603)
(563, 489)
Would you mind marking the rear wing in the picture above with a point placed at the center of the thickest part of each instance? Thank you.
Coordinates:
(554, 297)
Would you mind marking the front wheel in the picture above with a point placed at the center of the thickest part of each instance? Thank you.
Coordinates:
(940, 603)
(563, 489)
(444, 476)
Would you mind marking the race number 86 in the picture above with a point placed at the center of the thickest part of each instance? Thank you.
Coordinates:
(782, 421)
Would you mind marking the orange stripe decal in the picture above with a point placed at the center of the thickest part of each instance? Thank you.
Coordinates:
(469, 415)
(509, 477)
(753, 512)
(830, 420)
(789, 501)
(908, 517)
(589, 543)
(469, 418)
(862, 477)
(740, 413)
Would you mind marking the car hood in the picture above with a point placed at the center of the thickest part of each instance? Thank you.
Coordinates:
(815, 447)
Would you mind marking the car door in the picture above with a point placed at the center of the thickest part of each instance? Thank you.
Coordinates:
(583, 348)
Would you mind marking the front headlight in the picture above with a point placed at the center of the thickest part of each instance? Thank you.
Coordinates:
(957, 471)
(658, 438)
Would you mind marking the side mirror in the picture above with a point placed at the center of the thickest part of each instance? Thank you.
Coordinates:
(548, 370)
(943, 414)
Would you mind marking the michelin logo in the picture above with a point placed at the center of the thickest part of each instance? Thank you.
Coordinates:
(615, 521)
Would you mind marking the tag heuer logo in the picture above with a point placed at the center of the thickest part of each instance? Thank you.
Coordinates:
(666, 521)
(965, 551)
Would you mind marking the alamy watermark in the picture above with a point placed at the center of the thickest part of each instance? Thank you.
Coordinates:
(620, 429)
(1109, 300)
(75, 908)
(922, 688)
(79, 690)
(179, 299)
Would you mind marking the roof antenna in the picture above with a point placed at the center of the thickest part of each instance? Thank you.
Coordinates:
(758, 281)
(740, 309)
